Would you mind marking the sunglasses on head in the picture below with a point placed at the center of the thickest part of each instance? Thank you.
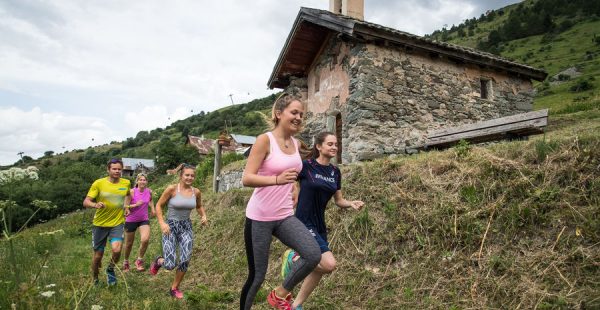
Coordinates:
(115, 161)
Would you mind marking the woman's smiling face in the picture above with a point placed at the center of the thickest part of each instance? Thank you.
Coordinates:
(291, 117)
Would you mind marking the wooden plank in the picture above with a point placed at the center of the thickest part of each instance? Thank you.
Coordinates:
(525, 127)
(512, 119)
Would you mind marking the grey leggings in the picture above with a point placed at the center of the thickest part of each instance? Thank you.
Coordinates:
(291, 232)
(182, 235)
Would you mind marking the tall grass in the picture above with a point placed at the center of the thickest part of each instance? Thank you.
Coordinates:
(510, 225)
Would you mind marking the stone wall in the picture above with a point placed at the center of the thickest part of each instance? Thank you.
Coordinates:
(393, 97)
(230, 180)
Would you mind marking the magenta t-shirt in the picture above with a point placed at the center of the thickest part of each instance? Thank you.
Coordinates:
(139, 214)
(275, 202)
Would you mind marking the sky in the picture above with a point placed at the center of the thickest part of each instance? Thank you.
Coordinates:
(76, 73)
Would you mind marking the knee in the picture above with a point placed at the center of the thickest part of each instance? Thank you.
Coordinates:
(313, 258)
(183, 266)
(144, 242)
(168, 264)
(327, 266)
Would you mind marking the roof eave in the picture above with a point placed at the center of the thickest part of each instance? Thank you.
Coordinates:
(307, 15)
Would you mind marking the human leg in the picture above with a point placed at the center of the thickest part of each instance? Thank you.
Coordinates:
(169, 242)
(185, 239)
(295, 235)
(326, 265)
(144, 239)
(257, 239)
(130, 229)
(99, 238)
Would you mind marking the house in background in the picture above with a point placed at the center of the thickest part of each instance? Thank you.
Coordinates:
(206, 146)
(380, 90)
(134, 166)
(243, 143)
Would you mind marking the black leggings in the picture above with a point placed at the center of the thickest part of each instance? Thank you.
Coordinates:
(291, 232)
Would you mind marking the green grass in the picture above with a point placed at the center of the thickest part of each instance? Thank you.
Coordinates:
(507, 225)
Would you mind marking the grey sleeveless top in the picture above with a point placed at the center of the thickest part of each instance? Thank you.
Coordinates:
(180, 207)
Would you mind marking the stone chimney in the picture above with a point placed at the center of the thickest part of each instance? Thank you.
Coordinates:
(351, 8)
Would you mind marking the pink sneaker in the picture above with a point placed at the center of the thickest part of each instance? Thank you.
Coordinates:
(176, 293)
(139, 265)
(125, 266)
(278, 302)
(154, 266)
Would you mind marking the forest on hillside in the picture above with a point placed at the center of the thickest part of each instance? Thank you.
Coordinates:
(528, 18)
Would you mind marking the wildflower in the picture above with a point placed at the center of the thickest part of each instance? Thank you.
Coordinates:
(50, 285)
(96, 307)
(48, 293)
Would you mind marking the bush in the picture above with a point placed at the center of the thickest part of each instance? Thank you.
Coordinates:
(580, 86)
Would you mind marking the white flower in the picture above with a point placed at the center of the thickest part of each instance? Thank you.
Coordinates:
(50, 285)
(48, 293)
(96, 307)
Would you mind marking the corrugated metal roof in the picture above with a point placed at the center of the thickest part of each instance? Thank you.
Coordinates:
(241, 139)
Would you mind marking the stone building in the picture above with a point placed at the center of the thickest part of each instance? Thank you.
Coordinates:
(380, 89)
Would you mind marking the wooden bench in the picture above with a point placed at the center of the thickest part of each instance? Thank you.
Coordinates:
(509, 127)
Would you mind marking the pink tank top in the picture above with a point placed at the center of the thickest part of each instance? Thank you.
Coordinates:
(275, 202)
(139, 214)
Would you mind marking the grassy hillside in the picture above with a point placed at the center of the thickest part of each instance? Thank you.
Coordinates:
(508, 225)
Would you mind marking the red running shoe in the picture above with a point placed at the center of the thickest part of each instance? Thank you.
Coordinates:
(176, 293)
(154, 267)
(278, 302)
(139, 265)
(125, 266)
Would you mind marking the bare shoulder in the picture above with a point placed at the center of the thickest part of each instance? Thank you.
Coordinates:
(263, 138)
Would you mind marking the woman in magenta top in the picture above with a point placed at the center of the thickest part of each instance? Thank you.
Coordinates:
(272, 168)
(136, 216)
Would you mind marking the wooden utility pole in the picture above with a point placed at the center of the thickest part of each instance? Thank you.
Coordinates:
(217, 168)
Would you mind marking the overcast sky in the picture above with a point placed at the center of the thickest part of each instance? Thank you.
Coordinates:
(80, 73)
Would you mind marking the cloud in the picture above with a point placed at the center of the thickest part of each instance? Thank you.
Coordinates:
(156, 116)
(34, 131)
(154, 60)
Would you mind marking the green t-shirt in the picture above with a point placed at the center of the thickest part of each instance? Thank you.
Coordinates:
(113, 197)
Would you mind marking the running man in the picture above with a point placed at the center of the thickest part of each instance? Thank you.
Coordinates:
(108, 196)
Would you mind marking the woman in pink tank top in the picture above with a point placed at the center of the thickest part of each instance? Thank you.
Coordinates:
(136, 216)
(272, 168)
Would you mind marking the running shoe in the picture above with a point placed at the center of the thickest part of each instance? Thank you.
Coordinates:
(154, 266)
(287, 259)
(139, 264)
(176, 293)
(111, 277)
(298, 307)
(125, 266)
(278, 302)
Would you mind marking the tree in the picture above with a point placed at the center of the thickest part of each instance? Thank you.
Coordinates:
(48, 153)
